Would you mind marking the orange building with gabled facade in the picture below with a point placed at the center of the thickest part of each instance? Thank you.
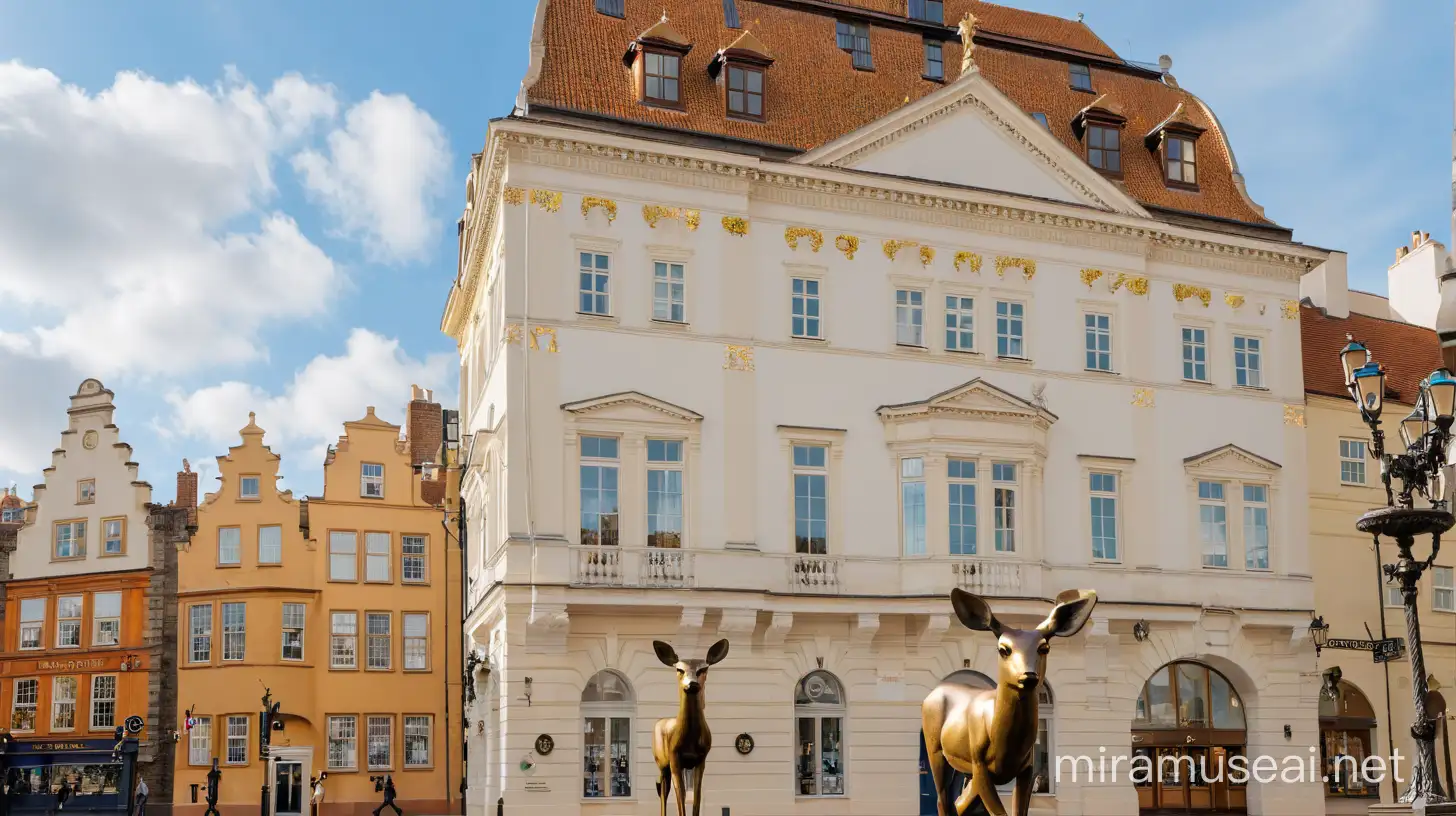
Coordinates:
(345, 607)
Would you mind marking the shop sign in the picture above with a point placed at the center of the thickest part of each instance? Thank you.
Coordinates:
(70, 665)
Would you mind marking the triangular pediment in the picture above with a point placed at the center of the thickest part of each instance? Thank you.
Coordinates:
(976, 397)
(631, 406)
(1231, 459)
(969, 134)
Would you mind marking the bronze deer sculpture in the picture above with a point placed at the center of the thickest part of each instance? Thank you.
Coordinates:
(682, 743)
(990, 734)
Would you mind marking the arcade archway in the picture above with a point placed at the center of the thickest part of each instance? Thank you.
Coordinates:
(1188, 724)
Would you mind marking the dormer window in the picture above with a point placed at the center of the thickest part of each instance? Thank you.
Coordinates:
(1099, 125)
(855, 38)
(743, 68)
(1180, 159)
(931, 11)
(1081, 76)
(656, 59)
(934, 60)
(730, 14)
(1176, 138)
(745, 91)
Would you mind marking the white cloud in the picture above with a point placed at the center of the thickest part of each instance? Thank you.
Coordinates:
(384, 169)
(134, 232)
(310, 412)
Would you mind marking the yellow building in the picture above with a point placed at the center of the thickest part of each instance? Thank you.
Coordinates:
(346, 607)
(1350, 594)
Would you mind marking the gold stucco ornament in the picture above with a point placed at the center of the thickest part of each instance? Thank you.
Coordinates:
(513, 196)
(735, 225)
(1026, 265)
(1142, 398)
(927, 255)
(793, 234)
(848, 244)
(1233, 300)
(1290, 308)
(892, 247)
(738, 358)
(1183, 291)
(548, 200)
(608, 206)
(970, 259)
(1090, 276)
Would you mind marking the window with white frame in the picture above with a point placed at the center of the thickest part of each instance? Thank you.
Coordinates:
(106, 619)
(607, 710)
(234, 631)
(416, 641)
(32, 622)
(819, 716)
(344, 640)
(103, 702)
(909, 317)
(343, 743)
(412, 559)
(70, 539)
(811, 499)
(294, 616)
(912, 505)
(1098, 341)
(113, 535)
(377, 557)
(1352, 461)
(27, 697)
(380, 645)
(600, 509)
(594, 274)
(960, 323)
(371, 481)
(1003, 488)
(668, 285)
(270, 544)
(1213, 523)
(1393, 596)
(1248, 362)
(68, 620)
(1443, 589)
(199, 742)
(237, 740)
(229, 546)
(343, 555)
(1195, 354)
(1256, 527)
(664, 493)
(1103, 489)
(248, 487)
(199, 633)
(63, 704)
(416, 741)
(381, 738)
(1010, 329)
(961, 475)
(806, 318)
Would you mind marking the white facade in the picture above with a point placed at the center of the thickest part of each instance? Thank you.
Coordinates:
(90, 514)
(740, 392)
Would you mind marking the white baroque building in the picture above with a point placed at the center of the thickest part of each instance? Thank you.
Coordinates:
(791, 394)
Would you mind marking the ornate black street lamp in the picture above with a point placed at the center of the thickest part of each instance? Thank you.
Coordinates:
(1421, 473)
(1320, 632)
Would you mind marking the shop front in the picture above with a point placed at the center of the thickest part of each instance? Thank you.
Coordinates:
(1347, 724)
(91, 775)
(1188, 725)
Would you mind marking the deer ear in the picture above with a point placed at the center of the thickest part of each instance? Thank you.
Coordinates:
(1073, 609)
(717, 652)
(974, 612)
(665, 653)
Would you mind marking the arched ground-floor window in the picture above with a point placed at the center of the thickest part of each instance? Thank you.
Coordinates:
(1187, 726)
(607, 709)
(1347, 727)
(819, 711)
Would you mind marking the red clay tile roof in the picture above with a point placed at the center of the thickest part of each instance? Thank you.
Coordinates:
(814, 95)
(1409, 353)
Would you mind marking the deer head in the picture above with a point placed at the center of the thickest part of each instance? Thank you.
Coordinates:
(1024, 651)
(692, 675)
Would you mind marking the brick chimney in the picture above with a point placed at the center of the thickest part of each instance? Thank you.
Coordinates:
(423, 427)
(187, 489)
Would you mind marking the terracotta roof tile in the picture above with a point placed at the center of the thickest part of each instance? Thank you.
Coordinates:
(1409, 353)
(814, 95)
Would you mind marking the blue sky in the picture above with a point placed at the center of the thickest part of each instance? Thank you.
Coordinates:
(264, 220)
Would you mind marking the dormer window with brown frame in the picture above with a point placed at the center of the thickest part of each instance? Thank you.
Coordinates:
(1099, 126)
(743, 67)
(656, 59)
(1176, 138)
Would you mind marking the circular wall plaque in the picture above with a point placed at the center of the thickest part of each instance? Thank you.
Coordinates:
(88, 440)
(545, 745)
(134, 724)
(744, 743)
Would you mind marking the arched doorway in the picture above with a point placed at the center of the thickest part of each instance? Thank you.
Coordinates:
(1347, 725)
(1041, 757)
(1189, 722)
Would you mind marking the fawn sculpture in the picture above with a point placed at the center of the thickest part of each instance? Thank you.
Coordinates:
(989, 734)
(682, 743)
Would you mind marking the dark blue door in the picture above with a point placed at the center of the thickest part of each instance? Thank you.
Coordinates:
(927, 783)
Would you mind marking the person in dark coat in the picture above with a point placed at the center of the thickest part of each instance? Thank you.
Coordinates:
(389, 794)
(214, 781)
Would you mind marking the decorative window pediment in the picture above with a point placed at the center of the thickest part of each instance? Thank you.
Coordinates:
(1176, 139)
(1233, 462)
(656, 60)
(631, 406)
(1104, 110)
(976, 399)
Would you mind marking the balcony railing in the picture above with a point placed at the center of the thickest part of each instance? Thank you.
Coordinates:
(667, 568)
(596, 566)
(817, 574)
(984, 576)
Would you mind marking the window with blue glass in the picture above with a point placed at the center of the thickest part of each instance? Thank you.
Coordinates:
(1256, 527)
(806, 320)
(600, 509)
(960, 323)
(668, 287)
(612, 8)
(1041, 119)
(1103, 487)
(1003, 486)
(909, 317)
(1195, 354)
(912, 506)
(811, 499)
(1010, 338)
(1213, 524)
(855, 38)
(1248, 362)
(961, 474)
(934, 60)
(931, 11)
(1098, 331)
(595, 273)
(1081, 76)
(1352, 461)
(664, 493)
(730, 14)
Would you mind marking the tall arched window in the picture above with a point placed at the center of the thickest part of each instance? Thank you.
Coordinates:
(819, 724)
(607, 708)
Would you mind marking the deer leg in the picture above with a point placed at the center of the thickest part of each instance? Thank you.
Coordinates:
(980, 787)
(682, 791)
(664, 787)
(941, 774)
(1021, 799)
(698, 787)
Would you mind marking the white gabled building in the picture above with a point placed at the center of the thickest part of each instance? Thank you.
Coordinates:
(789, 378)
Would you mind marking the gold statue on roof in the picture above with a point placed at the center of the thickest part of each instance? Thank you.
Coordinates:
(968, 46)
